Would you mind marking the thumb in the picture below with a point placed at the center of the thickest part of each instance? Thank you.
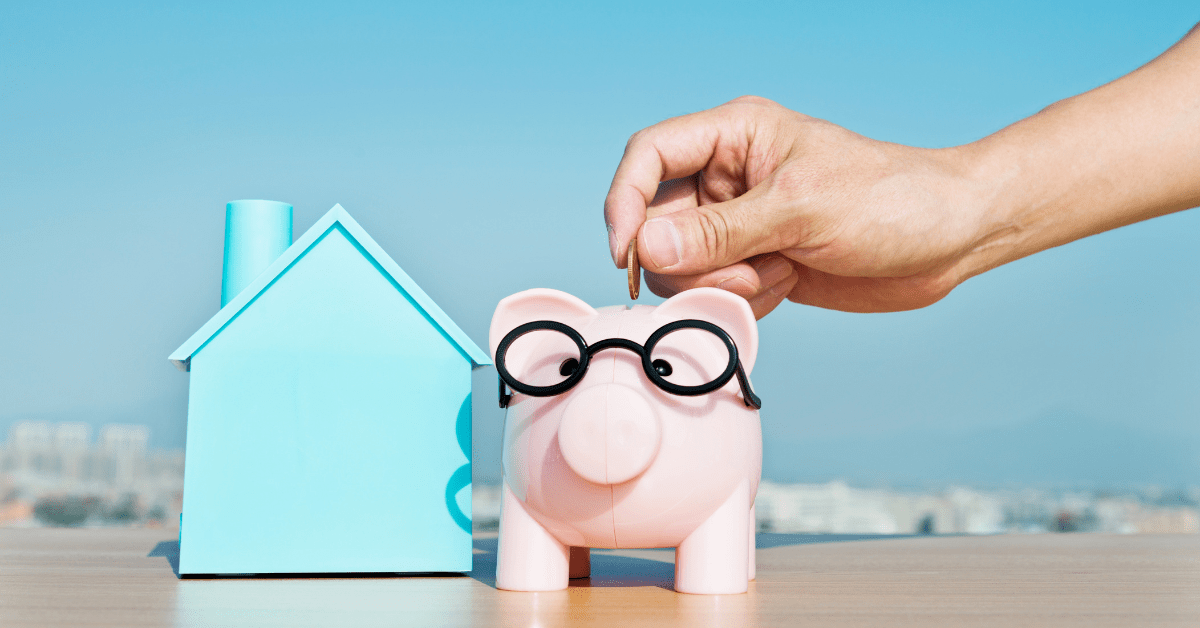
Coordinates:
(700, 239)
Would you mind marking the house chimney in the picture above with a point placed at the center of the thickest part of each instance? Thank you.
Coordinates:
(256, 234)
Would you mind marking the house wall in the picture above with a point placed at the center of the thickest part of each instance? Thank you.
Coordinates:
(328, 430)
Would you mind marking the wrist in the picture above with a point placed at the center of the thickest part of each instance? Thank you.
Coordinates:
(992, 194)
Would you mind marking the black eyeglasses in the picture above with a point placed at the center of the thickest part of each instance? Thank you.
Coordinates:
(656, 369)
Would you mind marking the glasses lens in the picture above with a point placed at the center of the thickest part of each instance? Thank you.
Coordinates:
(690, 357)
(542, 357)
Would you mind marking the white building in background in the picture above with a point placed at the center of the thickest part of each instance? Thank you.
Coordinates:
(836, 508)
(485, 506)
(975, 512)
(125, 447)
(30, 446)
(71, 444)
(822, 508)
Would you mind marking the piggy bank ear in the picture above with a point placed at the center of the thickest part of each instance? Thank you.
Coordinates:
(721, 308)
(539, 304)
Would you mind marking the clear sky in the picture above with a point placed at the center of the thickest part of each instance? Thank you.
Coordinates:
(476, 142)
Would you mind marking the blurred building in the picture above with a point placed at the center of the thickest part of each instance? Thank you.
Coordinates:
(124, 448)
(485, 506)
(836, 508)
(53, 474)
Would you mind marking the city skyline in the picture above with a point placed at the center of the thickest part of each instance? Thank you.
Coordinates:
(55, 475)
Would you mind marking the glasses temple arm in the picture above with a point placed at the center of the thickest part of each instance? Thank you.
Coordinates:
(748, 395)
(505, 396)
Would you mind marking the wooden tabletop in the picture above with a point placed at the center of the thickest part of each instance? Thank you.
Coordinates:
(112, 577)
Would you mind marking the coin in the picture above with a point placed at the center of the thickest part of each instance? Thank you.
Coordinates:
(635, 271)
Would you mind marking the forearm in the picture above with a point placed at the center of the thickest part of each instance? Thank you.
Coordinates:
(1124, 152)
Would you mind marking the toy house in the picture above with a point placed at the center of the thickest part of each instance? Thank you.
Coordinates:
(329, 410)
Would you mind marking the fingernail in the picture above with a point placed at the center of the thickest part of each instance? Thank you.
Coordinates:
(773, 271)
(782, 287)
(737, 284)
(612, 245)
(662, 242)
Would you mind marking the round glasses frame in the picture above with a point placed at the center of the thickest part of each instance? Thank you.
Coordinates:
(644, 352)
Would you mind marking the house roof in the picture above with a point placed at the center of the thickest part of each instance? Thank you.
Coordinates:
(182, 357)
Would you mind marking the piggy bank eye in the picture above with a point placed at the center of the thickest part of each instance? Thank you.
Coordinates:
(568, 367)
(662, 367)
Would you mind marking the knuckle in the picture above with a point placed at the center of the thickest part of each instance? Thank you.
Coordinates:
(715, 232)
(751, 99)
(635, 139)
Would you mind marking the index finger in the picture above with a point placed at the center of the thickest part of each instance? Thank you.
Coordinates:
(673, 148)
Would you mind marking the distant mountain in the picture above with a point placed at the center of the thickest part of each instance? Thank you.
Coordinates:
(1056, 451)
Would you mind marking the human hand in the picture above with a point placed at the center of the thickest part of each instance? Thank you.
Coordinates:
(771, 204)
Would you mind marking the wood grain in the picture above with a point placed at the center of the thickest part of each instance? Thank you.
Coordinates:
(64, 577)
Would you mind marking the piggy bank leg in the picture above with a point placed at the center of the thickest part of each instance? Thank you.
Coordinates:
(713, 558)
(581, 562)
(528, 557)
(753, 568)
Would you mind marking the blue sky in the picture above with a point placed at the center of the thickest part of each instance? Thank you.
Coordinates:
(476, 142)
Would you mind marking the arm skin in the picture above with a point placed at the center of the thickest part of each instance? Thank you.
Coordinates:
(772, 204)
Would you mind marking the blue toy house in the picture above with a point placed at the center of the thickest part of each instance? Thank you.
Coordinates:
(329, 413)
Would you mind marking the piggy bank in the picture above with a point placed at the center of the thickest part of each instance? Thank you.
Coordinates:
(627, 428)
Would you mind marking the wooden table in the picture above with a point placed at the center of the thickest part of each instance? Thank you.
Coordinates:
(111, 577)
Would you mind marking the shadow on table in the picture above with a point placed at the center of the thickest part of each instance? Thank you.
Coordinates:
(168, 550)
(766, 540)
(609, 570)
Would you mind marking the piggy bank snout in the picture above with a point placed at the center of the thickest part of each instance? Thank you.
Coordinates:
(609, 434)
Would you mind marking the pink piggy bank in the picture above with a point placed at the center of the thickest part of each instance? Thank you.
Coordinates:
(627, 428)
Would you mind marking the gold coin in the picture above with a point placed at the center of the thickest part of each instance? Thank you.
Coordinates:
(635, 271)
